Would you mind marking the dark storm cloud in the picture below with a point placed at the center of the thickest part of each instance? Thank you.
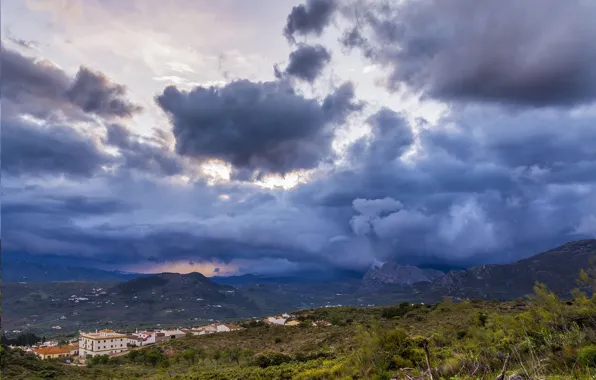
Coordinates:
(483, 185)
(307, 62)
(535, 53)
(143, 155)
(309, 18)
(39, 222)
(95, 93)
(391, 136)
(256, 126)
(40, 88)
(28, 149)
(338, 105)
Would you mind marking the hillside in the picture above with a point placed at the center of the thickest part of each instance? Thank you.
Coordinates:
(542, 339)
(163, 298)
(392, 273)
(557, 268)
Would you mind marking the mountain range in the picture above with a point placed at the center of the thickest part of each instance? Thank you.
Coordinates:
(177, 298)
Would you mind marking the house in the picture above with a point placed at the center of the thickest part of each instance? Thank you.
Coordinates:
(227, 327)
(57, 327)
(295, 322)
(209, 329)
(57, 352)
(195, 331)
(173, 334)
(104, 342)
(150, 337)
(134, 341)
(160, 337)
(276, 321)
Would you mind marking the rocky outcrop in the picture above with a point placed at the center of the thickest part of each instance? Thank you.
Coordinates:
(395, 274)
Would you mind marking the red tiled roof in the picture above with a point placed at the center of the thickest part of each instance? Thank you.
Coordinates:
(55, 350)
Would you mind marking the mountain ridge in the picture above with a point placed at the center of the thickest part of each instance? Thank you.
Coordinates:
(558, 268)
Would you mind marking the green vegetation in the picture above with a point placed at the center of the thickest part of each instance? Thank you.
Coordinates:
(539, 337)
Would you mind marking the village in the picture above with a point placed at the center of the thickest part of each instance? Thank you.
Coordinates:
(114, 343)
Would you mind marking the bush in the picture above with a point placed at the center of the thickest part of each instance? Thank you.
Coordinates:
(396, 311)
(271, 359)
(587, 356)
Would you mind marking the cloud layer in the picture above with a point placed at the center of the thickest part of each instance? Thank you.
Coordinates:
(302, 170)
(535, 53)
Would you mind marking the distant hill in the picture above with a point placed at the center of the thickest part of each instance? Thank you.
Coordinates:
(15, 270)
(162, 298)
(558, 268)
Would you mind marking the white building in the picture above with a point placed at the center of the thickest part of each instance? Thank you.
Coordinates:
(134, 341)
(209, 329)
(227, 327)
(173, 334)
(104, 342)
(276, 321)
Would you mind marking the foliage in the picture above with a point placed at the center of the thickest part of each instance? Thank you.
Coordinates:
(26, 338)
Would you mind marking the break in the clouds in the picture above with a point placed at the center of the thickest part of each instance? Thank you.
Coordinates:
(306, 63)
(294, 169)
(259, 126)
(535, 53)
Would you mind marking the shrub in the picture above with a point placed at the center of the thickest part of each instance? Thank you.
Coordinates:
(271, 359)
(587, 356)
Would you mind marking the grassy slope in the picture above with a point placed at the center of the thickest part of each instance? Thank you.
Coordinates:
(368, 344)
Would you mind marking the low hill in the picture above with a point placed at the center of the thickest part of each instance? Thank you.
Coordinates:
(167, 298)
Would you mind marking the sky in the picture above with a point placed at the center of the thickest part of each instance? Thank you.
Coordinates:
(233, 137)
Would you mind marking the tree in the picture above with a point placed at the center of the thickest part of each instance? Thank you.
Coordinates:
(153, 357)
(189, 355)
(165, 366)
(133, 355)
(216, 355)
(234, 354)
